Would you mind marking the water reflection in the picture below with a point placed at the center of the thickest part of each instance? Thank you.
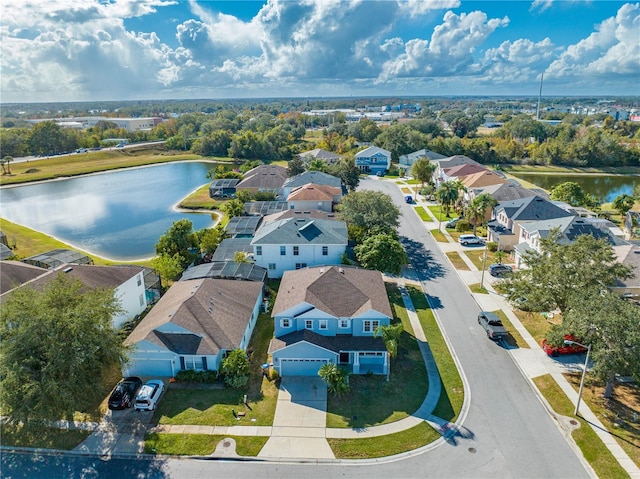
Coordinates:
(118, 215)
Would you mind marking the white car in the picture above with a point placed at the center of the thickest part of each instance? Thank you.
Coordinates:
(149, 395)
(470, 239)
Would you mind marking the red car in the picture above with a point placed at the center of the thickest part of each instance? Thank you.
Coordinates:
(570, 348)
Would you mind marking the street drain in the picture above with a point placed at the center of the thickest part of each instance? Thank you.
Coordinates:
(226, 444)
(472, 450)
(573, 422)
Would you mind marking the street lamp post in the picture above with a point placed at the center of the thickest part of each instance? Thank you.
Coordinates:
(584, 371)
(484, 262)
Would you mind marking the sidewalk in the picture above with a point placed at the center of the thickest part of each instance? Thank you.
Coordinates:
(532, 361)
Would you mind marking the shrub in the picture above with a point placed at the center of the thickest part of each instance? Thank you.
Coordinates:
(463, 225)
(273, 374)
(492, 246)
(196, 377)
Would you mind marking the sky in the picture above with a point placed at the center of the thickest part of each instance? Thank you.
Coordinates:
(95, 50)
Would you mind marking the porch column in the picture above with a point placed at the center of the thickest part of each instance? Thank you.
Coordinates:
(356, 362)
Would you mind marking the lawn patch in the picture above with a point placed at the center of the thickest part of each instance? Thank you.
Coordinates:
(477, 288)
(382, 446)
(593, 449)
(452, 396)
(366, 403)
(457, 261)
(439, 236)
(422, 213)
(515, 338)
(42, 437)
(200, 444)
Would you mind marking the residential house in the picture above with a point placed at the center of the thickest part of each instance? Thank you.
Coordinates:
(126, 281)
(373, 160)
(629, 255)
(460, 171)
(311, 196)
(569, 227)
(193, 326)
(314, 177)
(263, 179)
(14, 274)
(482, 178)
(508, 216)
(319, 154)
(449, 162)
(329, 315)
(501, 192)
(295, 243)
(405, 162)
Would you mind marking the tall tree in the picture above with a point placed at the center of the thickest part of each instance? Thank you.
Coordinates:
(235, 368)
(56, 344)
(478, 209)
(347, 171)
(295, 166)
(233, 207)
(423, 169)
(623, 203)
(179, 239)
(317, 165)
(559, 270)
(390, 334)
(372, 212)
(381, 252)
(570, 192)
(447, 194)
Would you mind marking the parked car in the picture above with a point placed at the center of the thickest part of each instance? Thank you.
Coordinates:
(149, 395)
(125, 393)
(564, 348)
(492, 325)
(465, 240)
(379, 173)
(452, 223)
(499, 270)
(408, 199)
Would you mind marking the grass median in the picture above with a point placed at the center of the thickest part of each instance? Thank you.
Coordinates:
(200, 444)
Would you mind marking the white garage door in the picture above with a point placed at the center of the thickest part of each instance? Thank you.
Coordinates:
(150, 367)
(301, 367)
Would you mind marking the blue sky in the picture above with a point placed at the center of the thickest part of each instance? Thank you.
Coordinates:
(73, 50)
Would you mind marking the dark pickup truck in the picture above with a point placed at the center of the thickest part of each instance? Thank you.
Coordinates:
(492, 325)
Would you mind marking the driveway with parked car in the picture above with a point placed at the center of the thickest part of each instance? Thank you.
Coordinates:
(466, 240)
(498, 270)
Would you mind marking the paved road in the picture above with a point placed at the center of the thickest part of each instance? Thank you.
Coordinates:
(507, 431)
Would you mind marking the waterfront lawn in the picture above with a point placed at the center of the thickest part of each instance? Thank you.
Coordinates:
(200, 200)
(366, 404)
(200, 444)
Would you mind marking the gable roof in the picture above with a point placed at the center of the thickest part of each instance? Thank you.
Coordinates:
(320, 154)
(373, 150)
(214, 313)
(341, 291)
(532, 208)
(464, 170)
(301, 231)
(315, 177)
(455, 160)
(16, 273)
(264, 177)
(424, 153)
(332, 343)
(313, 192)
(506, 191)
(482, 178)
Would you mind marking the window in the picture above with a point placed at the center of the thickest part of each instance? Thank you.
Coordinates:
(296, 250)
(258, 250)
(344, 323)
(192, 362)
(325, 250)
(369, 354)
(322, 324)
(272, 266)
(308, 324)
(369, 326)
(301, 265)
(283, 250)
(141, 300)
(285, 323)
(139, 280)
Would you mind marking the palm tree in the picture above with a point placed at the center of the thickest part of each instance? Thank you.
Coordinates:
(391, 336)
(317, 165)
(6, 161)
(336, 378)
(447, 194)
(475, 213)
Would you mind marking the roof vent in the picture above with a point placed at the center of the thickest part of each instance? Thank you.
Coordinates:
(341, 270)
(68, 269)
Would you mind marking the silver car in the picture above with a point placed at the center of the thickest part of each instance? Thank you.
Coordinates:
(149, 395)
(465, 240)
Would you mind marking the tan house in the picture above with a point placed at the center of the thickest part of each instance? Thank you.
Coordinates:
(482, 178)
(311, 196)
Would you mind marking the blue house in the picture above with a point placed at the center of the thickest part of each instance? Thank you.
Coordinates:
(373, 160)
(329, 315)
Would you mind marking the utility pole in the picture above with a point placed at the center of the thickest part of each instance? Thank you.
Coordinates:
(539, 97)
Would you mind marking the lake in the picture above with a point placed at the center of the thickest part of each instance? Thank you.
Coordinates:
(117, 215)
(606, 188)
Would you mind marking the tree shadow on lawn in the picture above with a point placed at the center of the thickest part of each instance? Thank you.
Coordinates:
(422, 260)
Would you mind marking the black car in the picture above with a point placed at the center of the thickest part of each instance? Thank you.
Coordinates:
(499, 270)
(125, 393)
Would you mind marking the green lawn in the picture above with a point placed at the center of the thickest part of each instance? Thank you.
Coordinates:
(452, 396)
(200, 444)
(439, 236)
(422, 213)
(515, 338)
(457, 261)
(593, 449)
(382, 446)
(366, 403)
(42, 437)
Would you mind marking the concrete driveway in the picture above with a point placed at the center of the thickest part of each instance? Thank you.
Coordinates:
(299, 425)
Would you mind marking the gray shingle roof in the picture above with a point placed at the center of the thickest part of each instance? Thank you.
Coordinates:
(332, 343)
(340, 291)
(264, 177)
(531, 209)
(315, 177)
(16, 273)
(214, 312)
(299, 231)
